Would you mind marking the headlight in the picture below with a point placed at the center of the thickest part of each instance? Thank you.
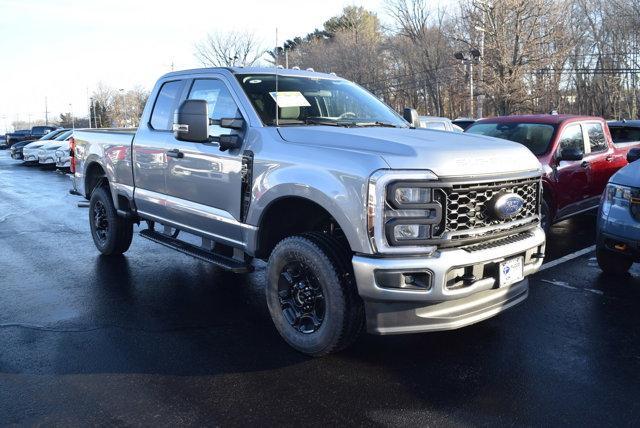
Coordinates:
(615, 195)
(405, 211)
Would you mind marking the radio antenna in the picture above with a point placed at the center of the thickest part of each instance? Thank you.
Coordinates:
(276, 97)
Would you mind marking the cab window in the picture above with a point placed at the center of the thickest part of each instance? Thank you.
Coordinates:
(165, 105)
(221, 103)
(571, 139)
(597, 141)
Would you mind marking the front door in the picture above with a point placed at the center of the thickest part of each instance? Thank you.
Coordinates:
(204, 183)
(573, 177)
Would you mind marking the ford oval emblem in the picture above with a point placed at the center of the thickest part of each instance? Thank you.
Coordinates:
(507, 205)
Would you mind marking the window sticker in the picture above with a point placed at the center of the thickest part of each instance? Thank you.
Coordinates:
(289, 99)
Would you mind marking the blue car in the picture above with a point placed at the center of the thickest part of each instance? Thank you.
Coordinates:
(618, 241)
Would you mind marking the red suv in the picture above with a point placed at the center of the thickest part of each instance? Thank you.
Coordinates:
(576, 153)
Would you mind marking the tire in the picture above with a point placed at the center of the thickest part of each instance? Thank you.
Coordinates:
(111, 233)
(545, 217)
(314, 271)
(612, 263)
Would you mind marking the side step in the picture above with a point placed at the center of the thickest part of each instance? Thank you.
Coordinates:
(224, 262)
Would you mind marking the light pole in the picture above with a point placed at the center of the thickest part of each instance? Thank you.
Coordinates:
(481, 71)
(468, 59)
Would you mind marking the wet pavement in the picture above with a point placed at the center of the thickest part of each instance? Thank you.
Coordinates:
(156, 337)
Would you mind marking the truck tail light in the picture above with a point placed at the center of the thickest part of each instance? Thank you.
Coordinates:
(72, 154)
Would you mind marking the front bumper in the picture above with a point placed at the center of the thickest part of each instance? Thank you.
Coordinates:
(445, 304)
(30, 156)
(47, 159)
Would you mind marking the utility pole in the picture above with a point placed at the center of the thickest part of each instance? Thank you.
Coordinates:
(46, 112)
(89, 99)
(124, 107)
(73, 122)
(468, 60)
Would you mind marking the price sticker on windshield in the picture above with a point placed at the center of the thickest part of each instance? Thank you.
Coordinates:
(289, 99)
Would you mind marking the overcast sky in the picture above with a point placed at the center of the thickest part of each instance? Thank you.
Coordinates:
(62, 48)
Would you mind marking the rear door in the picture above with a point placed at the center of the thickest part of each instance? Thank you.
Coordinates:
(573, 177)
(151, 143)
(602, 157)
(205, 183)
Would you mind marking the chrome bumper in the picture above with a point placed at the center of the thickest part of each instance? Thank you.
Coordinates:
(439, 307)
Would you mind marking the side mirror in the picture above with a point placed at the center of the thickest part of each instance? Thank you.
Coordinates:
(411, 116)
(633, 154)
(191, 121)
(570, 154)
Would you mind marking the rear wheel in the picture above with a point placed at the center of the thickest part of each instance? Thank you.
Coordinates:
(111, 234)
(312, 296)
(612, 263)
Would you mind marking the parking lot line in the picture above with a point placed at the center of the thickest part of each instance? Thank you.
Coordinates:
(567, 258)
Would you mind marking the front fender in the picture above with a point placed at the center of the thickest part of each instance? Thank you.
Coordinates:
(340, 194)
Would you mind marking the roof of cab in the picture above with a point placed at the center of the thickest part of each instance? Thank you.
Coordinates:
(551, 119)
(252, 70)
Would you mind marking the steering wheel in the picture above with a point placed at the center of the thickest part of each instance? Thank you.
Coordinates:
(347, 115)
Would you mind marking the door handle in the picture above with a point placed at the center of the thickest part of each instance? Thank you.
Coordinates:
(609, 158)
(584, 164)
(175, 153)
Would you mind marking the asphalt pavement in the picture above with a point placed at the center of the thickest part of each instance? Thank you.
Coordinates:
(158, 338)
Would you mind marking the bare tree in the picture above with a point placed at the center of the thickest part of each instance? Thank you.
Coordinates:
(229, 49)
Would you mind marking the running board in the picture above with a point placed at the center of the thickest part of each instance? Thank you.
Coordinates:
(224, 262)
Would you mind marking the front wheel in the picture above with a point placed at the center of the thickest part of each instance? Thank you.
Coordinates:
(312, 296)
(612, 263)
(111, 234)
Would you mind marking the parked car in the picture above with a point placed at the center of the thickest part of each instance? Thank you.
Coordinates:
(438, 123)
(3, 140)
(47, 152)
(29, 134)
(618, 239)
(16, 149)
(31, 151)
(625, 132)
(13, 137)
(576, 153)
(463, 122)
(362, 220)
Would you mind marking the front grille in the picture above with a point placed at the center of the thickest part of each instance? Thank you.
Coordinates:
(467, 205)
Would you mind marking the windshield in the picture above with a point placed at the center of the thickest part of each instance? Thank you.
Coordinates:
(315, 101)
(50, 135)
(535, 136)
(63, 136)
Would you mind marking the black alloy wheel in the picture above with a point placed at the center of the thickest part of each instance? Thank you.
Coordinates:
(301, 297)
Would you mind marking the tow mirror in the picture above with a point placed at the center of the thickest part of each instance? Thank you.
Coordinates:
(633, 154)
(570, 154)
(411, 116)
(191, 121)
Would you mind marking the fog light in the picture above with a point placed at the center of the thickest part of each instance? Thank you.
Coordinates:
(410, 231)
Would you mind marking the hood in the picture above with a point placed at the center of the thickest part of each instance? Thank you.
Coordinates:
(53, 145)
(627, 176)
(34, 145)
(447, 154)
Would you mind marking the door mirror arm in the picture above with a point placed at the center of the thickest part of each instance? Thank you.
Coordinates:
(227, 142)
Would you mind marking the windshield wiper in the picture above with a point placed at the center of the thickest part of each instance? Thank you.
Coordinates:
(376, 123)
(317, 121)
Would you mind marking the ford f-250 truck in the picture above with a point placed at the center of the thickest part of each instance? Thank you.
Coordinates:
(362, 219)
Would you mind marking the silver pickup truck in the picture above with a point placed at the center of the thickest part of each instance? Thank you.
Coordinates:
(363, 218)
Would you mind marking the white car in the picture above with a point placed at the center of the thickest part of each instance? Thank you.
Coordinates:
(31, 152)
(47, 152)
(63, 156)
